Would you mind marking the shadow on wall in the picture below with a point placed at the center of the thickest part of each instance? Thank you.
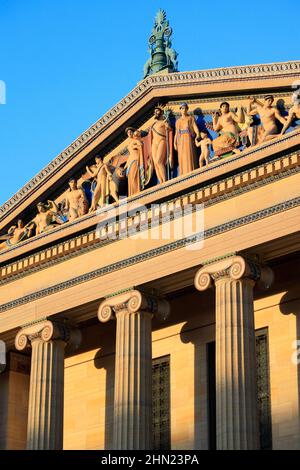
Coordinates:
(202, 337)
(289, 305)
(97, 337)
(101, 362)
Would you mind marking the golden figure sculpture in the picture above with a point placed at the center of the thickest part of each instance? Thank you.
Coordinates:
(135, 163)
(76, 201)
(15, 235)
(294, 112)
(108, 185)
(186, 131)
(204, 143)
(268, 116)
(226, 123)
(246, 128)
(160, 144)
(47, 217)
(95, 173)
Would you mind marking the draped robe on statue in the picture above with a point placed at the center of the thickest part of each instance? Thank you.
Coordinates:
(135, 166)
(185, 145)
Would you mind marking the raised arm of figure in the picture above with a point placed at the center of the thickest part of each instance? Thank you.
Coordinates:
(289, 120)
(239, 116)
(92, 172)
(52, 206)
(11, 230)
(252, 111)
(216, 123)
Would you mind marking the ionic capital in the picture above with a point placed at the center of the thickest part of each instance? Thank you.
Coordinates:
(235, 268)
(47, 330)
(133, 301)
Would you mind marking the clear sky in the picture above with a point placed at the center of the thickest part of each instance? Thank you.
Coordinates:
(66, 62)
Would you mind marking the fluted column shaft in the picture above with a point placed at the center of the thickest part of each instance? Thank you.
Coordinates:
(133, 312)
(133, 384)
(46, 391)
(236, 394)
(46, 395)
(237, 420)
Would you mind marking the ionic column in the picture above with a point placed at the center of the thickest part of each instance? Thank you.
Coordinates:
(46, 391)
(133, 311)
(237, 415)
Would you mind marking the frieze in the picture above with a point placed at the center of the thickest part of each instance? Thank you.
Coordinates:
(278, 208)
(218, 99)
(262, 71)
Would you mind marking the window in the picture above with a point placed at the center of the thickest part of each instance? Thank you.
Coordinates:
(263, 388)
(161, 403)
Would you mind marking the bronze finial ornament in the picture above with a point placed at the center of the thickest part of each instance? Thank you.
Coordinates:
(162, 55)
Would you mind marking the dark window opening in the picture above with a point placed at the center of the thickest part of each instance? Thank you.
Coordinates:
(161, 403)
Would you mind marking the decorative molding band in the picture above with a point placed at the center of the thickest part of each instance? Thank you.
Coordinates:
(219, 258)
(209, 195)
(231, 225)
(219, 99)
(122, 291)
(240, 73)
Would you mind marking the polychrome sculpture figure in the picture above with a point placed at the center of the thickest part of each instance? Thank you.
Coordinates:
(268, 116)
(186, 131)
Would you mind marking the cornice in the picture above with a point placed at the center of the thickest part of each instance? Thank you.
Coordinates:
(201, 77)
(210, 194)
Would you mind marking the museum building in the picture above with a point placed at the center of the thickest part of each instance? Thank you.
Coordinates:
(149, 291)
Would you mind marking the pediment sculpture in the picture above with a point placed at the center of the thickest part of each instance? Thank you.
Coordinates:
(174, 145)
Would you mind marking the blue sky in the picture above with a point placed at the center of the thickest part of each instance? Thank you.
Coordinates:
(65, 62)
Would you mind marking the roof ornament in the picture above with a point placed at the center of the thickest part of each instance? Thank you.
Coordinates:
(162, 55)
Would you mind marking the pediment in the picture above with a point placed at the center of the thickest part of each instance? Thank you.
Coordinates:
(201, 89)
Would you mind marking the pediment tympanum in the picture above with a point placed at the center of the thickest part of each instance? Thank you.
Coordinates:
(147, 147)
